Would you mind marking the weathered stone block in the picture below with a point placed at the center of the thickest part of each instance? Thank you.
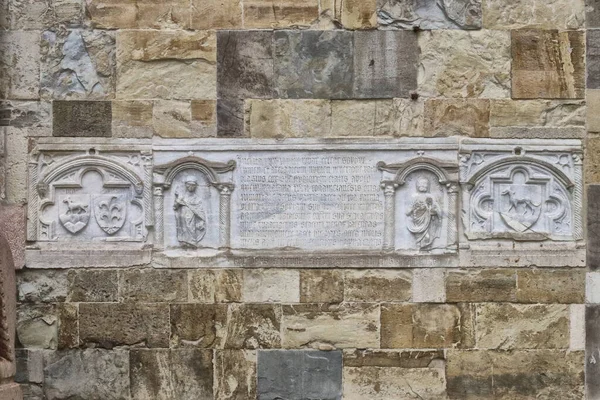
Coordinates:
(230, 118)
(430, 14)
(27, 114)
(324, 326)
(152, 285)
(592, 350)
(87, 374)
(254, 326)
(461, 117)
(428, 285)
(30, 366)
(15, 166)
(198, 325)
(31, 14)
(548, 64)
(409, 117)
(593, 110)
(12, 224)
(592, 287)
(45, 286)
(279, 13)
(299, 374)
(592, 161)
(377, 285)
(68, 329)
(321, 286)
(481, 285)
(132, 119)
(19, 65)
(592, 13)
(464, 64)
(288, 118)
(535, 14)
(577, 327)
(427, 325)
(11, 391)
(235, 374)
(7, 323)
(108, 325)
(81, 118)
(216, 14)
(131, 14)
(392, 358)
(215, 286)
(172, 118)
(313, 64)
(166, 65)
(171, 374)
(101, 286)
(204, 118)
(512, 326)
(271, 285)
(551, 285)
(359, 14)
(78, 64)
(593, 226)
(363, 118)
(37, 326)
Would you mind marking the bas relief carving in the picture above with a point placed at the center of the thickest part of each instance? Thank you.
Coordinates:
(424, 215)
(190, 215)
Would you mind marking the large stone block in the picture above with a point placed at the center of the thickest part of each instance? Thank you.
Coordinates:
(15, 165)
(551, 285)
(92, 374)
(198, 325)
(279, 13)
(28, 114)
(166, 65)
(377, 285)
(271, 285)
(19, 64)
(462, 117)
(12, 224)
(548, 64)
(37, 326)
(151, 285)
(428, 285)
(32, 15)
(593, 110)
(464, 64)
(288, 118)
(313, 64)
(321, 286)
(592, 350)
(593, 226)
(363, 118)
(511, 326)
(592, 160)
(430, 14)
(82, 118)
(230, 118)
(253, 326)
(172, 118)
(216, 14)
(323, 326)
(100, 286)
(131, 14)
(215, 286)
(427, 326)
(235, 374)
(299, 374)
(45, 286)
(358, 14)
(132, 119)
(592, 16)
(204, 118)
(7, 322)
(78, 64)
(535, 14)
(481, 285)
(171, 374)
(112, 324)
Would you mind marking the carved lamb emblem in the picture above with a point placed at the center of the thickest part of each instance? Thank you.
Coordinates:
(74, 212)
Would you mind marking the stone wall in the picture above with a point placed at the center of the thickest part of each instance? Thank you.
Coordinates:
(499, 316)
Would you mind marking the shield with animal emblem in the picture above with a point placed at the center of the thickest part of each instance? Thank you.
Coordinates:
(520, 205)
(110, 211)
(74, 211)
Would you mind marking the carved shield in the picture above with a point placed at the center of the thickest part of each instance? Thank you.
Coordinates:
(110, 211)
(520, 205)
(74, 211)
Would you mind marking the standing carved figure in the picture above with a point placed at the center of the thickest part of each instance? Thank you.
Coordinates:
(424, 215)
(190, 216)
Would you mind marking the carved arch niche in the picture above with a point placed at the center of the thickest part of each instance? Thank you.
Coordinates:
(192, 198)
(420, 205)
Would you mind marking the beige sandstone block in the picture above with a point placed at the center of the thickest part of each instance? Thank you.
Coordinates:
(321, 286)
(377, 285)
(288, 118)
(409, 117)
(172, 118)
(393, 358)
(551, 285)
(132, 14)
(19, 64)
(323, 326)
(254, 326)
(204, 118)
(362, 118)
(577, 327)
(132, 119)
(151, 285)
(271, 285)
(592, 160)
(33, 14)
(481, 285)
(16, 163)
(456, 63)
(215, 286)
(551, 113)
(515, 326)
(68, 327)
(593, 110)
(198, 325)
(216, 14)
(538, 14)
(235, 374)
(279, 13)
(359, 14)
(428, 285)
(166, 65)
(457, 117)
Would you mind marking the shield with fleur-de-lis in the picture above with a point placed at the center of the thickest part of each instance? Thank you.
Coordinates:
(110, 212)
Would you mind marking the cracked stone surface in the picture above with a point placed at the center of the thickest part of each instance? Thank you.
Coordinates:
(430, 14)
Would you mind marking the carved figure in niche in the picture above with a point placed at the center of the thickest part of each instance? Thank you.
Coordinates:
(424, 215)
(110, 213)
(190, 215)
(75, 213)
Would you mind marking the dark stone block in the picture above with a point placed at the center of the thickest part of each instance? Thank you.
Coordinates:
(593, 58)
(314, 64)
(385, 63)
(299, 374)
(592, 16)
(82, 118)
(244, 64)
(592, 351)
(593, 226)
(230, 118)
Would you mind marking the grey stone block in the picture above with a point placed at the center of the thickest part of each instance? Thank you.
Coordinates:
(593, 58)
(592, 352)
(592, 16)
(230, 118)
(82, 118)
(244, 64)
(314, 64)
(299, 375)
(430, 14)
(593, 227)
(385, 63)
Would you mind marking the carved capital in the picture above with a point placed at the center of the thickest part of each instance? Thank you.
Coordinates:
(158, 191)
(225, 189)
(389, 187)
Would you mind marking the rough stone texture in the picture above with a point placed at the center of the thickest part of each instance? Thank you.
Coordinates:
(82, 118)
(28, 114)
(131, 14)
(30, 366)
(385, 63)
(37, 326)
(288, 118)
(230, 118)
(548, 64)
(392, 358)
(8, 389)
(19, 65)
(271, 285)
(15, 164)
(235, 374)
(215, 286)
(108, 325)
(430, 14)
(523, 374)
(362, 118)
(593, 110)
(68, 329)
(592, 350)
(171, 374)
(538, 14)
(409, 118)
(313, 64)
(279, 13)
(427, 326)
(428, 286)
(12, 224)
(198, 325)
(299, 374)
(216, 14)
(358, 14)
(166, 65)
(11, 391)
(324, 326)
(77, 64)
(592, 165)
(593, 226)
(321, 286)
(577, 327)
(150, 285)
(593, 58)
(132, 119)
(511, 326)
(254, 326)
(204, 118)
(551, 286)
(32, 15)
(377, 285)
(460, 117)
(172, 118)
(592, 15)
(481, 285)
(93, 286)
(92, 374)
(464, 64)
(42, 286)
